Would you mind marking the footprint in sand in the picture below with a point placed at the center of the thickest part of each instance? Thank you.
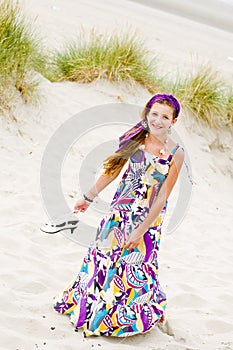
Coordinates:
(166, 328)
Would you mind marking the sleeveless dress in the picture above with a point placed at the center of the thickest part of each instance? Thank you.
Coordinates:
(117, 291)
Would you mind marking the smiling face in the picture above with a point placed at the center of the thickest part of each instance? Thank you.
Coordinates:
(160, 118)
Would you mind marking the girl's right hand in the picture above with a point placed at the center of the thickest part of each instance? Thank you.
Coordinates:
(81, 205)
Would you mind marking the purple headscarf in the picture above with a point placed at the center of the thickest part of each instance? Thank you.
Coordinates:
(165, 97)
(126, 138)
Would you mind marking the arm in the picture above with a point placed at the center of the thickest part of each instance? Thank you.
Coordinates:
(102, 182)
(165, 190)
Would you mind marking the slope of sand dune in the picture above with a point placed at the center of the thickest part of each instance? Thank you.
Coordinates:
(211, 12)
(195, 261)
(179, 43)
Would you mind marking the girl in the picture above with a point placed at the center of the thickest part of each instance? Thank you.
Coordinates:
(117, 291)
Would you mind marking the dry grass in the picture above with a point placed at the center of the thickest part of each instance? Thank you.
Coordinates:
(20, 55)
(202, 93)
(229, 107)
(115, 57)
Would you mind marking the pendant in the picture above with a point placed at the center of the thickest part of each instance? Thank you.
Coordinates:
(162, 152)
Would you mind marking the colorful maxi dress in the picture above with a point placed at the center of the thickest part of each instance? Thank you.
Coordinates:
(117, 291)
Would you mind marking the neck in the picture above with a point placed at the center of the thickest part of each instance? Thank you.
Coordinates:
(162, 139)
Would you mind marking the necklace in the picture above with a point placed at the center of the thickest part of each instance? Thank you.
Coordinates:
(162, 150)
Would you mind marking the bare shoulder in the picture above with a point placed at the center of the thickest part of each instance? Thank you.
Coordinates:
(178, 157)
(179, 153)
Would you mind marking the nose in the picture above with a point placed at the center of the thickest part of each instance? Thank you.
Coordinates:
(157, 119)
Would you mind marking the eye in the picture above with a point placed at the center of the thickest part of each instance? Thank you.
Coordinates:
(154, 114)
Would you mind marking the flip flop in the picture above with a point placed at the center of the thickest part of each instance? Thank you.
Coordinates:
(54, 228)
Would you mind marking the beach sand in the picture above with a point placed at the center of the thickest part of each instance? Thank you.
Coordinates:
(195, 261)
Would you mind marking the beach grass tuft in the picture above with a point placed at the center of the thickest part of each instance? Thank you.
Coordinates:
(202, 93)
(229, 107)
(120, 56)
(20, 54)
(116, 57)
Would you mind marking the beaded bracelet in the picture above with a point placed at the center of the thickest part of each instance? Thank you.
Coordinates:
(87, 199)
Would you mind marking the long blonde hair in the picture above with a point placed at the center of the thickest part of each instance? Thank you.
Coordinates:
(116, 161)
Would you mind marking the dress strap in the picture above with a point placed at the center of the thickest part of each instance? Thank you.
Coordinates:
(173, 152)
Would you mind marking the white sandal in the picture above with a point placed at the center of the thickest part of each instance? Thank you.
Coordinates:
(54, 228)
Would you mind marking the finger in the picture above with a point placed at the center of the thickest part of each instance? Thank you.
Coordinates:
(131, 245)
(128, 245)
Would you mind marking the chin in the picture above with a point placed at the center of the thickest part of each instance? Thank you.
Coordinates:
(155, 131)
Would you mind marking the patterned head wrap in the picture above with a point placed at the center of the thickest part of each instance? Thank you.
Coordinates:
(127, 137)
(165, 97)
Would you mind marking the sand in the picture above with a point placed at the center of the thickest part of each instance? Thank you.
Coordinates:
(195, 260)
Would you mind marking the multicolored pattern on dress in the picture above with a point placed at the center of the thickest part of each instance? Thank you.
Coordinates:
(117, 291)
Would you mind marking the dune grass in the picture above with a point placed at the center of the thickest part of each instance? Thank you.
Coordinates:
(20, 55)
(229, 107)
(202, 93)
(115, 57)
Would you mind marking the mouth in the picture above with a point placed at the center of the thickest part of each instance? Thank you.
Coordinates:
(156, 126)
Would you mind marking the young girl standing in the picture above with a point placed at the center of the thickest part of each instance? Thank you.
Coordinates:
(117, 291)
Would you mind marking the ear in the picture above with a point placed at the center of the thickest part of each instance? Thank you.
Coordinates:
(174, 121)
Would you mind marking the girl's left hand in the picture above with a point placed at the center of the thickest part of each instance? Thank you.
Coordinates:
(134, 239)
(81, 205)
